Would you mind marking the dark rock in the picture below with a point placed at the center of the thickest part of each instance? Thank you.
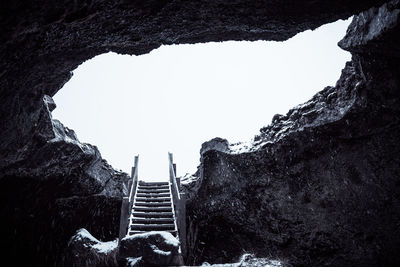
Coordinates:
(368, 31)
(319, 186)
(52, 182)
(277, 117)
(58, 185)
(156, 248)
(85, 250)
(217, 143)
(42, 42)
(248, 260)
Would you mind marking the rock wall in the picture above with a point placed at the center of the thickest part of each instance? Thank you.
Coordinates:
(321, 184)
(51, 185)
(56, 186)
(42, 41)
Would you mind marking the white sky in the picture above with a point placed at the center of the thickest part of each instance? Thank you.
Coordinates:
(177, 97)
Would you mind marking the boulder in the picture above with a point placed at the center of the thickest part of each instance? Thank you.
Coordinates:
(85, 250)
(157, 247)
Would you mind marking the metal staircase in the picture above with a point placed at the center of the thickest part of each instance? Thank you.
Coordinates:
(154, 206)
(152, 209)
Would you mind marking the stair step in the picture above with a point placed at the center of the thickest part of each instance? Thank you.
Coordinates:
(153, 214)
(152, 183)
(158, 199)
(153, 204)
(152, 220)
(153, 227)
(173, 232)
(153, 195)
(154, 191)
(152, 209)
(151, 187)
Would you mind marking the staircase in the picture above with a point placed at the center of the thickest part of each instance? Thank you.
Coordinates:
(152, 209)
(154, 206)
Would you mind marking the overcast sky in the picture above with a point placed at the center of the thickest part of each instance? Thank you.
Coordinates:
(177, 97)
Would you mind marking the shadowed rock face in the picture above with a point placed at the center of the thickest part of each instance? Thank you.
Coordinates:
(56, 186)
(51, 185)
(85, 250)
(42, 41)
(321, 184)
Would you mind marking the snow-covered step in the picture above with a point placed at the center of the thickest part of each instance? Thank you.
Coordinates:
(158, 199)
(153, 227)
(152, 183)
(153, 204)
(152, 220)
(154, 191)
(152, 209)
(153, 195)
(153, 214)
(153, 187)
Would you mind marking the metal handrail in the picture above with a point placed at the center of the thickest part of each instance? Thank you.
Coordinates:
(172, 178)
(127, 201)
(179, 202)
(134, 180)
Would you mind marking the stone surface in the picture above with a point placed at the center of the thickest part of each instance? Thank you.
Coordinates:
(156, 248)
(55, 186)
(42, 41)
(320, 185)
(376, 26)
(85, 250)
(248, 260)
(51, 184)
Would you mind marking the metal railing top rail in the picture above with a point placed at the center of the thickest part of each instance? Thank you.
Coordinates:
(134, 179)
(172, 178)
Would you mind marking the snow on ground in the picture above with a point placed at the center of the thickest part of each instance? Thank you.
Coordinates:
(241, 147)
(106, 247)
(168, 237)
(248, 260)
(133, 261)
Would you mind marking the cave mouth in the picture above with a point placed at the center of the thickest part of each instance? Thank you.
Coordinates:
(177, 97)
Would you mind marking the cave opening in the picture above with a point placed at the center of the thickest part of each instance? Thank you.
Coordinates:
(177, 97)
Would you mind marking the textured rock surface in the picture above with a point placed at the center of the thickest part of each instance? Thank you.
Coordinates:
(321, 184)
(248, 260)
(376, 26)
(42, 41)
(85, 250)
(155, 248)
(55, 186)
(51, 184)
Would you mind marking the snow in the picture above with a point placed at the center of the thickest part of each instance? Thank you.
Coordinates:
(188, 179)
(161, 252)
(133, 261)
(248, 260)
(168, 237)
(241, 147)
(101, 247)
(106, 247)
(83, 233)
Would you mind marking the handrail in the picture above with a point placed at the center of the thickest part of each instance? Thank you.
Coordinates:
(134, 179)
(127, 201)
(172, 178)
(179, 203)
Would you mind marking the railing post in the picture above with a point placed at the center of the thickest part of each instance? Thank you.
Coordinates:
(127, 201)
(179, 200)
(123, 222)
(182, 222)
(134, 179)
